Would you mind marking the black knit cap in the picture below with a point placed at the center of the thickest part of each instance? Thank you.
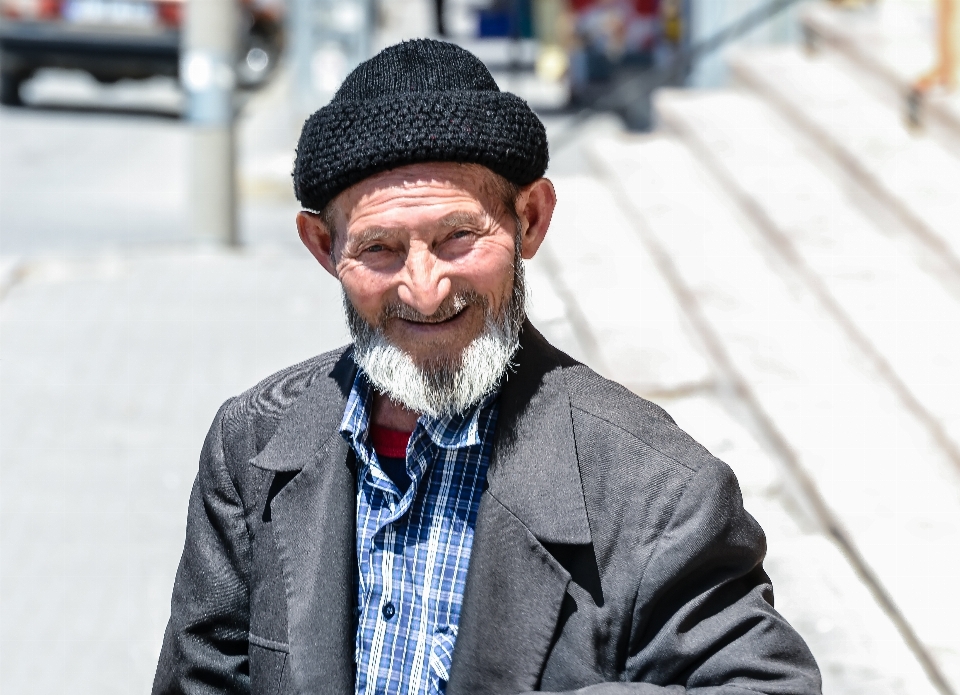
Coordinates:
(417, 101)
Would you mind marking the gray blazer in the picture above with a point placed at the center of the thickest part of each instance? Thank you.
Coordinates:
(611, 550)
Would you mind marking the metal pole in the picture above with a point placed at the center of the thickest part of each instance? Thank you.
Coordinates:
(209, 48)
(300, 34)
(328, 39)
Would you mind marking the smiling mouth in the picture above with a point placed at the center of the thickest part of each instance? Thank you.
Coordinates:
(428, 321)
(449, 311)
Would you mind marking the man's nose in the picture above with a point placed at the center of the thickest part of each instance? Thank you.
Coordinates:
(425, 285)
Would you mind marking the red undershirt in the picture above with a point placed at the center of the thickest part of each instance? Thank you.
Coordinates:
(391, 448)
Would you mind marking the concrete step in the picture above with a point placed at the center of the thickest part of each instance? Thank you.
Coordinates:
(899, 315)
(892, 45)
(868, 467)
(912, 175)
(550, 314)
(627, 322)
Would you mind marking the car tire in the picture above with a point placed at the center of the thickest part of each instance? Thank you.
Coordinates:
(256, 64)
(10, 88)
(259, 56)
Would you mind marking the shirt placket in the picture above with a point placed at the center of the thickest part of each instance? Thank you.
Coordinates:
(432, 561)
(383, 498)
(390, 507)
(434, 464)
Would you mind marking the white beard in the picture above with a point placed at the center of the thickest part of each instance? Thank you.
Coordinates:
(441, 389)
(394, 373)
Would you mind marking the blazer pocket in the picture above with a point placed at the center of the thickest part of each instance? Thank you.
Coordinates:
(267, 662)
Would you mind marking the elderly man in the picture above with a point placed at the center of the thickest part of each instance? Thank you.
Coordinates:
(451, 504)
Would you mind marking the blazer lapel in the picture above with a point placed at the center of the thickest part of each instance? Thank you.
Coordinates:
(515, 587)
(314, 519)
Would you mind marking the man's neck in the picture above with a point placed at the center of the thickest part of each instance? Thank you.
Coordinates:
(391, 415)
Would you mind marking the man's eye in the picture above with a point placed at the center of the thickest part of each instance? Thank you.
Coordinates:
(375, 248)
(461, 234)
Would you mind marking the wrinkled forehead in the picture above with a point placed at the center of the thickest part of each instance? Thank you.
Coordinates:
(444, 189)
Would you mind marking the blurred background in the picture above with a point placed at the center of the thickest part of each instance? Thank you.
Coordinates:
(758, 228)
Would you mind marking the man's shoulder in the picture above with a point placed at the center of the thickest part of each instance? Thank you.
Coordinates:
(609, 415)
(260, 408)
(635, 462)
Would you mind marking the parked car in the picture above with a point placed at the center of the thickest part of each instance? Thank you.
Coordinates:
(117, 39)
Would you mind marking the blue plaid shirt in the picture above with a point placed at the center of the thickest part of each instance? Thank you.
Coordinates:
(413, 549)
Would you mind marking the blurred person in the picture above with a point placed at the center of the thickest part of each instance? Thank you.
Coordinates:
(612, 37)
(450, 504)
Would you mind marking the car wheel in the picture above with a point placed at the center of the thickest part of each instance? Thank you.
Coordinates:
(10, 88)
(257, 62)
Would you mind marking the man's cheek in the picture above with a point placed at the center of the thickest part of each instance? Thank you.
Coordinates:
(488, 278)
(362, 287)
(368, 309)
(493, 255)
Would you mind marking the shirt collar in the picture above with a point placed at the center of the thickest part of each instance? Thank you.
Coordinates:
(450, 432)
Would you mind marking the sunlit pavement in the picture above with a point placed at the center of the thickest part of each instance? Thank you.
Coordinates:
(766, 270)
(114, 177)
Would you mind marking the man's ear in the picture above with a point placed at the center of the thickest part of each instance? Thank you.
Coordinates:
(318, 239)
(535, 205)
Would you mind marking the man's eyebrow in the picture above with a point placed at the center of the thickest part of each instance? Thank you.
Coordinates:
(371, 234)
(461, 219)
(377, 233)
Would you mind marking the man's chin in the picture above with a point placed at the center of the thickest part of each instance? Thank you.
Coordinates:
(443, 369)
(439, 384)
(427, 354)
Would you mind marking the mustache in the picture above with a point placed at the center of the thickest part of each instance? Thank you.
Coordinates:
(450, 307)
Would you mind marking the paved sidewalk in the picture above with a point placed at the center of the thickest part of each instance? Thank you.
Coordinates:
(112, 369)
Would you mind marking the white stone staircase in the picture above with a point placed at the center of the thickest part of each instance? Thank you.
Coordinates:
(811, 243)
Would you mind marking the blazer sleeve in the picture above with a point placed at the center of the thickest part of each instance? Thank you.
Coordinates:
(704, 615)
(206, 641)
(704, 622)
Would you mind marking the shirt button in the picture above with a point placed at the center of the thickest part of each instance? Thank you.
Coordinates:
(388, 610)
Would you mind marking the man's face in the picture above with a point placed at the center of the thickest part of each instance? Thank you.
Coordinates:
(422, 252)
(429, 259)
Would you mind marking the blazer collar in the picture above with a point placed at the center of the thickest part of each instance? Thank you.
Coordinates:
(314, 520)
(534, 471)
(311, 420)
(515, 587)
